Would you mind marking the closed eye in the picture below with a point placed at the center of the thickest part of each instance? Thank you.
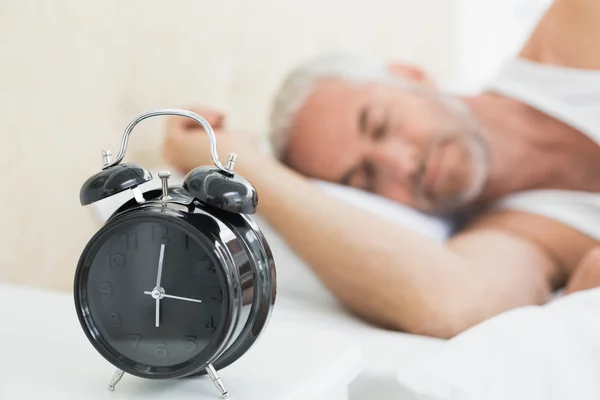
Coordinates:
(362, 176)
(370, 175)
(381, 131)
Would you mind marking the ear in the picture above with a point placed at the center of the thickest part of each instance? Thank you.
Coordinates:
(412, 73)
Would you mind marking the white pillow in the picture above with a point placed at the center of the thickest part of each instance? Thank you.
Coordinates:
(436, 228)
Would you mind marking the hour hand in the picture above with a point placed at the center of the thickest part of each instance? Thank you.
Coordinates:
(160, 294)
(181, 298)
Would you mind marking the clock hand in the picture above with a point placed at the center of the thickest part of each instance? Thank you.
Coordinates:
(160, 264)
(162, 295)
(158, 279)
(157, 314)
(181, 298)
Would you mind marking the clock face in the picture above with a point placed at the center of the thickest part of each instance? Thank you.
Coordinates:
(155, 295)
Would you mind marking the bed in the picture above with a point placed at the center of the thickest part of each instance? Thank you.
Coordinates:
(529, 353)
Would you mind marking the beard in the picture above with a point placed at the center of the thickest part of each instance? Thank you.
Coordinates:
(478, 151)
(475, 161)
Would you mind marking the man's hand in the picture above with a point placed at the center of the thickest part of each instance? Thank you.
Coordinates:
(186, 144)
(587, 273)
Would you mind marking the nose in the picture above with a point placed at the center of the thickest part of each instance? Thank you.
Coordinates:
(396, 158)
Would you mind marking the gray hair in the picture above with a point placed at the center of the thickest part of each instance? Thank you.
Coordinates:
(301, 81)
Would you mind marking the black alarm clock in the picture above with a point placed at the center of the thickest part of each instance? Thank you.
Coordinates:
(179, 281)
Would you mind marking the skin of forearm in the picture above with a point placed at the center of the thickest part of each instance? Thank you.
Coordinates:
(567, 35)
(389, 276)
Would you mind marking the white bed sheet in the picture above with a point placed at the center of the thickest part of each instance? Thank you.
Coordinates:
(549, 352)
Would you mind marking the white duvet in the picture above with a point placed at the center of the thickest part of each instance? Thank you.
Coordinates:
(549, 352)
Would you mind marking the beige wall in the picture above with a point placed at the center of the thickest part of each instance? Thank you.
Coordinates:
(73, 73)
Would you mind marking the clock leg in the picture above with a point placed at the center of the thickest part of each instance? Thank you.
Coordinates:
(214, 375)
(116, 378)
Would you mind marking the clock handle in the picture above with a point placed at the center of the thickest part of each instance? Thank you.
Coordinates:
(182, 113)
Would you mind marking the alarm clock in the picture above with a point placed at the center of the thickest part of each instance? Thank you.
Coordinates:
(179, 281)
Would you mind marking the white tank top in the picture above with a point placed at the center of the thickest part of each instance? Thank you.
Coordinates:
(573, 97)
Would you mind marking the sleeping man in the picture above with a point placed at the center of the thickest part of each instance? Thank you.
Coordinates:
(519, 163)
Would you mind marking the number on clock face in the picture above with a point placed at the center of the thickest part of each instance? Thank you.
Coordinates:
(190, 343)
(130, 240)
(125, 271)
(210, 324)
(216, 293)
(117, 261)
(114, 319)
(160, 233)
(161, 351)
(134, 340)
(105, 290)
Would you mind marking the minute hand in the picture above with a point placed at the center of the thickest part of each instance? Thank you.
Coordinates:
(161, 258)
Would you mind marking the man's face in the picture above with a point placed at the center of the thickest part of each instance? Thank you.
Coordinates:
(382, 138)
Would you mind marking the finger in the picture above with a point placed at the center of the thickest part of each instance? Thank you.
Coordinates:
(213, 117)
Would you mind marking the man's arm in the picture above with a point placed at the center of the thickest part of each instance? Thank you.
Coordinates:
(400, 280)
(587, 274)
(567, 35)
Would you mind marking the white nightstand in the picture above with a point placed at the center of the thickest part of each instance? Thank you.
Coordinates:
(45, 355)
